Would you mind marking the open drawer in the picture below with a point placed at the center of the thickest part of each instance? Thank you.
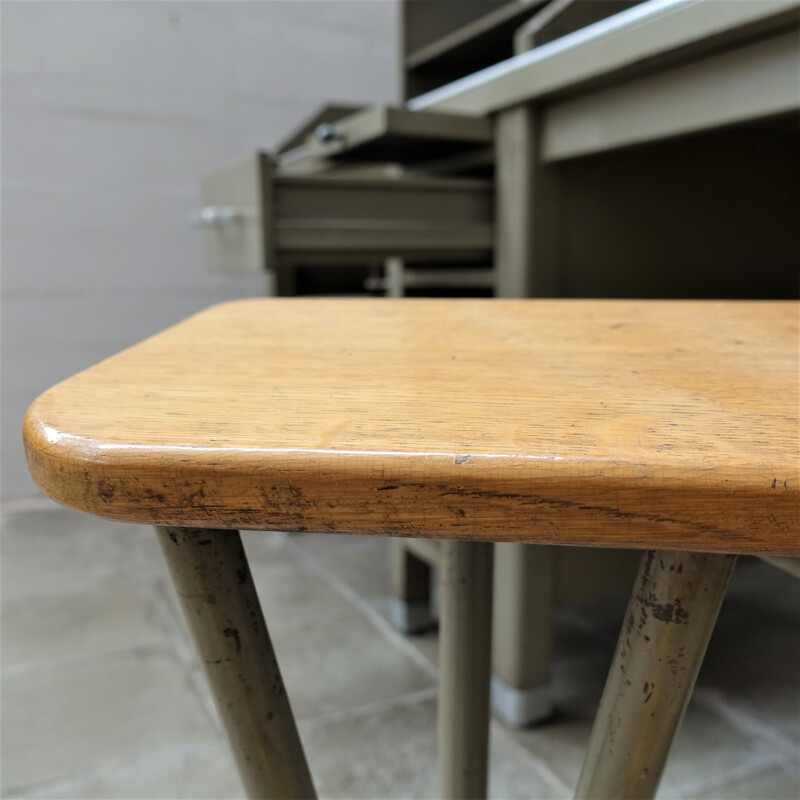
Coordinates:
(256, 217)
(384, 133)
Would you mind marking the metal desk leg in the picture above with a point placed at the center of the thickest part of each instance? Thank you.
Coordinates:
(522, 643)
(410, 589)
(464, 667)
(675, 602)
(526, 265)
(212, 578)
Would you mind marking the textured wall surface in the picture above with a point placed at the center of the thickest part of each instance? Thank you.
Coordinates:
(111, 113)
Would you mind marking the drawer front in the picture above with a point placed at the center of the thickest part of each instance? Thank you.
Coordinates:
(257, 218)
(387, 134)
(232, 216)
(361, 218)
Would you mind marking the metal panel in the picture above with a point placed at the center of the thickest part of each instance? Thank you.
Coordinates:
(527, 231)
(266, 219)
(232, 218)
(332, 218)
(324, 115)
(656, 29)
(383, 133)
(751, 82)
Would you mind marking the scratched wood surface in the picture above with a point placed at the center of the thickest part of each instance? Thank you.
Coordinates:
(621, 424)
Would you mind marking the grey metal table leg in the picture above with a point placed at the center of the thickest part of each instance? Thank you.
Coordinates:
(522, 638)
(675, 602)
(410, 587)
(464, 668)
(212, 578)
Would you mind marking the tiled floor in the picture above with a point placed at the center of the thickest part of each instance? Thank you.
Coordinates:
(103, 698)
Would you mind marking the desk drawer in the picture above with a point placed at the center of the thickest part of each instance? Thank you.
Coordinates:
(257, 218)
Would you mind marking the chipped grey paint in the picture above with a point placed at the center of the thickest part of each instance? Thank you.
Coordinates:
(212, 578)
(675, 602)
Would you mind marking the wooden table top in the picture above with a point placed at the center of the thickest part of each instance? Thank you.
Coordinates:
(670, 425)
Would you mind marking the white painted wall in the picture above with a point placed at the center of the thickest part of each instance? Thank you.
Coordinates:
(111, 112)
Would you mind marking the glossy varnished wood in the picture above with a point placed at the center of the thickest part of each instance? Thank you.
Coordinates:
(670, 425)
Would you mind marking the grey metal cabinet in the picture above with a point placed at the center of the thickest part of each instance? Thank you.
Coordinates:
(314, 206)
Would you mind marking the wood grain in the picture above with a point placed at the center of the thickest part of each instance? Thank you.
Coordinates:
(670, 425)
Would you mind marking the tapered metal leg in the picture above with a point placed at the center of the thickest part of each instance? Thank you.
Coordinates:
(464, 668)
(212, 578)
(522, 633)
(675, 602)
(410, 587)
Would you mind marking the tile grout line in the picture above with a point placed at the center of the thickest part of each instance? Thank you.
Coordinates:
(425, 695)
(369, 709)
(743, 721)
(399, 640)
(175, 629)
(66, 786)
(72, 662)
(186, 655)
(372, 615)
(543, 768)
(700, 788)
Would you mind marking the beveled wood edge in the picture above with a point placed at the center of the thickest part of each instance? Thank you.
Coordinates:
(544, 500)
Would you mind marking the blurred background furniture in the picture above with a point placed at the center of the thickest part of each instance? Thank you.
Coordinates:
(627, 150)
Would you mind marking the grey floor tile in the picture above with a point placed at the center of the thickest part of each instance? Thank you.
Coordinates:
(340, 660)
(63, 720)
(289, 590)
(392, 754)
(132, 723)
(578, 683)
(198, 772)
(426, 643)
(772, 782)
(561, 742)
(706, 747)
(266, 545)
(752, 660)
(361, 562)
(40, 630)
(600, 619)
(363, 566)
(148, 553)
(760, 674)
(57, 550)
(324, 546)
(750, 581)
(515, 777)
(754, 653)
(570, 640)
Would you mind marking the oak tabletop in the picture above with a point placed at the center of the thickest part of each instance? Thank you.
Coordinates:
(641, 424)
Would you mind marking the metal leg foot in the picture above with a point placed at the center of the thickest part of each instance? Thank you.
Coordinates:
(464, 668)
(410, 618)
(521, 708)
(212, 578)
(675, 602)
(522, 646)
(410, 585)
